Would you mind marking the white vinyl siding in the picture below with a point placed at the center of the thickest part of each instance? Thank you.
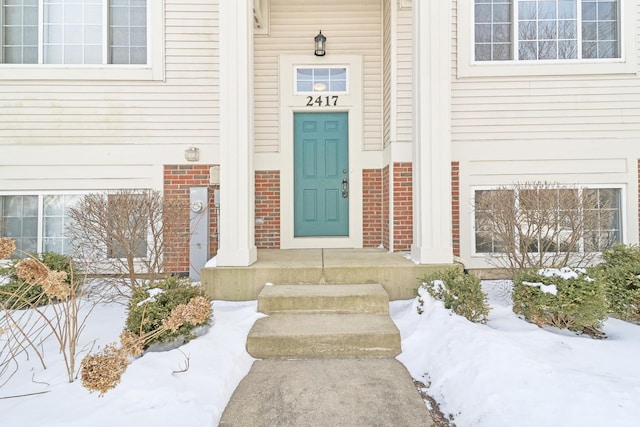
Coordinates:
(527, 109)
(531, 122)
(560, 108)
(351, 26)
(387, 51)
(404, 117)
(118, 131)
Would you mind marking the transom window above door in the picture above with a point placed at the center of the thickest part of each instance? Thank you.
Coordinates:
(73, 32)
(533, 30)
(321, 79)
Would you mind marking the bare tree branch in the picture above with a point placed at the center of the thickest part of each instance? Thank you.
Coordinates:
(538, 224)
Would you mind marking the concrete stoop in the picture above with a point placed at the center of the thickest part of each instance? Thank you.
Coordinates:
(308, 321)
(306, 299)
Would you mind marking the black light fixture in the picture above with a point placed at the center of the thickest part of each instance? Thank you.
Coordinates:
(320, 40)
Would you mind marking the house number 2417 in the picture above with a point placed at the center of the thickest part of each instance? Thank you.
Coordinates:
(322, 101)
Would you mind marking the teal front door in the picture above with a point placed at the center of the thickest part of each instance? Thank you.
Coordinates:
(321, 173)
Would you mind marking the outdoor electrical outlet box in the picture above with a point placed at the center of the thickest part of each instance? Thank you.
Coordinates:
(199, 230)
(216, 198)
(214, 175)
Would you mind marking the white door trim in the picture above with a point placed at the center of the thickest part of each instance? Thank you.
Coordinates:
(350, 102)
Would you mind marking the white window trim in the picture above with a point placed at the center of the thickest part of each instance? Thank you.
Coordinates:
(467, 66)
(41, 195)
(153, 70)
(486, 255)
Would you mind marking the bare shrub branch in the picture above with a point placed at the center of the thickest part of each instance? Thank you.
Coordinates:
(538, 224)
(121, 234)
(47, 303)
(184, 367)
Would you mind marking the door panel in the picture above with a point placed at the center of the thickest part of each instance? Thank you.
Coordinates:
(321, 163)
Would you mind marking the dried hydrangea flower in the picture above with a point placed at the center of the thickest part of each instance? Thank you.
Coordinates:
(102, 371)
(132, 344)
(32, 271)
(7, 247)
(55, 285)
(198, 310)
(176, 318)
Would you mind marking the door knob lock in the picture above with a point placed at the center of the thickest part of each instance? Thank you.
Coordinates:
(345, 188)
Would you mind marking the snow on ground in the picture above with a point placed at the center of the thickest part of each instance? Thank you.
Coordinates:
(505, 373)
(512, 373)
(150, 394)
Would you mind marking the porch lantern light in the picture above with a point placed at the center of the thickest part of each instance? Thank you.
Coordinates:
(192, 154)
(320, 40)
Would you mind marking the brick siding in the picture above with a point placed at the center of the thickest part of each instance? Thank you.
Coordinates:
(402, 206)
(385, 207)
(267, 193)
(455, 207)
(375, 210)
(372, 202)
(177, 181)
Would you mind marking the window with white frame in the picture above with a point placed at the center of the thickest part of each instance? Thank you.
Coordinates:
(37, 222)
(73, 32)
(532, 30)
(605, 225)
(321, 79)
(546, 219)
(40, 223)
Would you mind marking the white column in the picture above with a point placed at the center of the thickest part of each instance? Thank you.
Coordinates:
(432, 223)
(237, 200)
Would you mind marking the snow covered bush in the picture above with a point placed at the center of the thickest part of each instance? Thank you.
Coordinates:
(619, 274)
(459, 292)
(165, 315)
(156, 309)
(564, 298)
(40, 297)
(29, 292)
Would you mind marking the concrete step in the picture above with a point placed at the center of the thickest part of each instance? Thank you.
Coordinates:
(362, 298)
(323, 335)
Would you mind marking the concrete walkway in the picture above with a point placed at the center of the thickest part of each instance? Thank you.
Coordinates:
(350, 392)
(326, 357)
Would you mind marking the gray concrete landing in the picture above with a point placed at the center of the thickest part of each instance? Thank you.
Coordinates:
(398, 275)
(326, 392)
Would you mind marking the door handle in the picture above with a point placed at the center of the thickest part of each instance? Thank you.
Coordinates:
(345, 188)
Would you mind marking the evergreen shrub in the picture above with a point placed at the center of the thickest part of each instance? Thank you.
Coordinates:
(152, 303)
(459, 292)
(619, 274)
(18, 291)
(563, 298)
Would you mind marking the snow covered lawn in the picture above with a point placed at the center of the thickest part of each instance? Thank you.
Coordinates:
(512, 373)
(505, 373)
